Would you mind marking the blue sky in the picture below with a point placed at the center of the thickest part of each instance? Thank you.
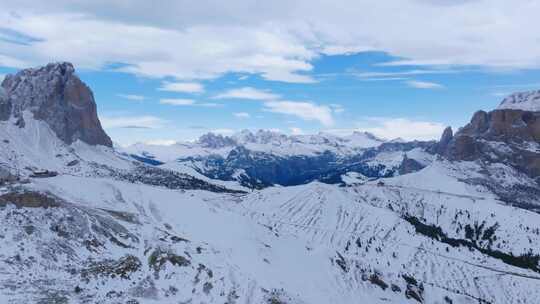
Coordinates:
(405, 70)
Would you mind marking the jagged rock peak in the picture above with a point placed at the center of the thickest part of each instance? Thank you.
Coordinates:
(55, 95)
(215, 141)
(525, 101)
(445, 140)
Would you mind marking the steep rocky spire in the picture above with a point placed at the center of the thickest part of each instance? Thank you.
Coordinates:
(55, 95)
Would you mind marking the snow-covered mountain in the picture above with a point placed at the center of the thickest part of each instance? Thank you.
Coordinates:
(526, 101)
(271, 142)
(266, 158)
(81, 222)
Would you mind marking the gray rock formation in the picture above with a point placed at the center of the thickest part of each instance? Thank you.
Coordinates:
(446, 138)
(503, 135)
(409, 165)
(216, 141)
(55, 95)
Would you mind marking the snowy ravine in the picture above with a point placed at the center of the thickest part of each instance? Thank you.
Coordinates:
(85, 223)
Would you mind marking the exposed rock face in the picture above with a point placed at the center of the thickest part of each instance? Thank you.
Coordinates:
(409, 165)
(505, 125)
(446, 138)
(55, 95)
(213, 141)
(504, 135)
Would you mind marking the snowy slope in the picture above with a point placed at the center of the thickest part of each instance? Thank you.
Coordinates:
(431, 236)
(313, 243)
(366, 225)
(35, 146)
(526, 101)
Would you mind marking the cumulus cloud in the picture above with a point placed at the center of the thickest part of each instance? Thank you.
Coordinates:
(241, 115)
(194, 51)
(184, 87)
(304, 110)
(424, 84)
(248, 93)
(132, 122)
(408, 129)
(277, 40)
(131, 97)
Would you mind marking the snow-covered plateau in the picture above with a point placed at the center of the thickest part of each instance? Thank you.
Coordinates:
(354, 219)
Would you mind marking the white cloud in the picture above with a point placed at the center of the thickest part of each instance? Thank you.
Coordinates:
(500, 94)
(296, 131)
(188, 102)
(131, 97)
(423, 84)
(13, 62)
(184, 87)
(398, 63)
(401, 75)
(151, 49)
(161, 142)
(209, 104)
(241, 115)
(278, 40)
(337, 108)
(132, 122)
(223, 131)
(247, 93)
(391, 128)
(304, 110)
(177, 101)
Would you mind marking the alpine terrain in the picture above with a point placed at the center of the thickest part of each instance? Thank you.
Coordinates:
(262, 217)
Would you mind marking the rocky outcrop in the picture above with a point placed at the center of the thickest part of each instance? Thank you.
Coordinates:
(5, 105)
(445, 140)
(504, 125)
(55, 95)
(216, 141)
(504, 135)
(409, 165)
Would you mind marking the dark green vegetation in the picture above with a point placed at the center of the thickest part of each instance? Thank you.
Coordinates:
(526, 261)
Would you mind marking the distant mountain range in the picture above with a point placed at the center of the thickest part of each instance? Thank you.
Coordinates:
(266, 158)
(262, 217)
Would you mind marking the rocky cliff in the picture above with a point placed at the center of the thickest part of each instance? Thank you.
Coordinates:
(54, 94)
(506, 135)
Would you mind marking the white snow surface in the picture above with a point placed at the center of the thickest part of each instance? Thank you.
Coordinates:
(271, 142)
(526, 101)
(314, 243)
